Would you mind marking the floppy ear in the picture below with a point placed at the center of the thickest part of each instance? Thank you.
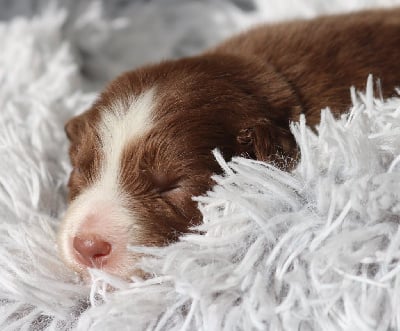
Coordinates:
(80, 136)
(75, 128)
(264, 141)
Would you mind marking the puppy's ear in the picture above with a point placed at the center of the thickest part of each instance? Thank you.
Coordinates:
(75, 128)
(264, 141)
(80, 136)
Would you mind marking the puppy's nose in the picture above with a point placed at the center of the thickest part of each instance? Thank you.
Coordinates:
(92, 251)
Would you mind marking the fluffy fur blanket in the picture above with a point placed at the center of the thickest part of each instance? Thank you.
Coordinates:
(315, 249)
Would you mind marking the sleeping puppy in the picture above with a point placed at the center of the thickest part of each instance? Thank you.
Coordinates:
(143, 150)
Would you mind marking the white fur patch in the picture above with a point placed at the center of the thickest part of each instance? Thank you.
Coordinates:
(101, 208)
(118, 127)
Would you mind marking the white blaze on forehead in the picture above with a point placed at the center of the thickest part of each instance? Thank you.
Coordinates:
(122, 123)
(103, 201)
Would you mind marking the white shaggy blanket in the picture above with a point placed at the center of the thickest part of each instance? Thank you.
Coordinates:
(317, 249)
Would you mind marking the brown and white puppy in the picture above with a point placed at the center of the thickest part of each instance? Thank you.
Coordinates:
(143, 150)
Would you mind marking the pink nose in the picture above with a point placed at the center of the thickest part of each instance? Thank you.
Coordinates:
(92, 251)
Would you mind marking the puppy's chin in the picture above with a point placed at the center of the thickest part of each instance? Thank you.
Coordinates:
(113, 278)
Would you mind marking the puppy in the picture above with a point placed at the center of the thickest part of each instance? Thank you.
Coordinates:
(143, 150)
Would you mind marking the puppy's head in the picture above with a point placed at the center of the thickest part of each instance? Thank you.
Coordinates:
(143, 150)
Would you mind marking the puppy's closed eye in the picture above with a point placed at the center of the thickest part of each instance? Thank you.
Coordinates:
(164, 183)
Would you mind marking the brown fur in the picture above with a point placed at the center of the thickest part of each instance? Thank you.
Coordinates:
(239, 97)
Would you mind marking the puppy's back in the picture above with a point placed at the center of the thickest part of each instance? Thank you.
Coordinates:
(323, 57)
